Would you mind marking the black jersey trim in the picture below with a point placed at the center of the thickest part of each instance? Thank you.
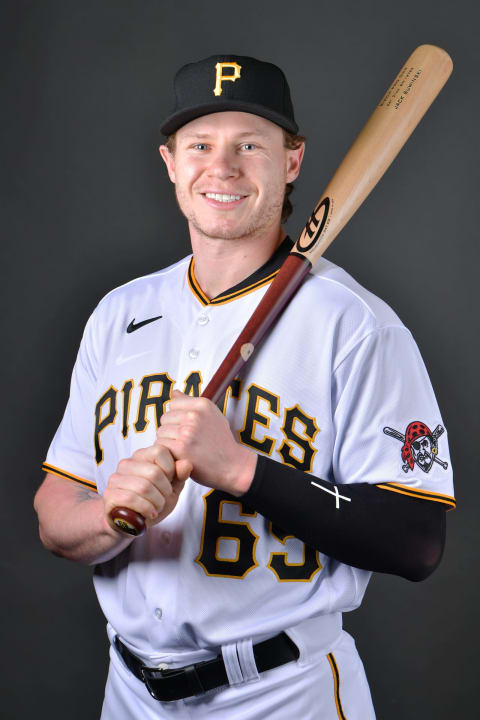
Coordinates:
(194, 286)
(418, 493)
(258, 279)
(336, 683)
(69, 476)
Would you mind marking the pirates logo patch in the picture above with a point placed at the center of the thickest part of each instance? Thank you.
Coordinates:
(420, 446)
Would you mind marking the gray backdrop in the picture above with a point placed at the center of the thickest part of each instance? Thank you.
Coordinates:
(87, 206)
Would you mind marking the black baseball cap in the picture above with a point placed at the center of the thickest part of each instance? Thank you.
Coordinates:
(231, 82)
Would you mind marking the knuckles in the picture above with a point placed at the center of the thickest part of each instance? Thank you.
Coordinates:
(113, 480)
(162, 456)
(187, 435)
(203, 408)
(143, 486)
(151, 472)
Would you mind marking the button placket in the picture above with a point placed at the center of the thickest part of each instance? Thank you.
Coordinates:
(197, 344)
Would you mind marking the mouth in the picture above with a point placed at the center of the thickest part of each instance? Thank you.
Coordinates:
(223, 200)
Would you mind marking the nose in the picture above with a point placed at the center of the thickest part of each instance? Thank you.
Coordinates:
(224, 164)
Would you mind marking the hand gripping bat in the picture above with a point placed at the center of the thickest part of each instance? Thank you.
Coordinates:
(398, 113)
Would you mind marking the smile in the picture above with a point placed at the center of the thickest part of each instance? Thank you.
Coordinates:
(222, 198)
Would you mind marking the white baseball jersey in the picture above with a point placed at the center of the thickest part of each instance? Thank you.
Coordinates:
(337, 389)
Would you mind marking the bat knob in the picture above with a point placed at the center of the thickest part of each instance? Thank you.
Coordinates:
(127, 521)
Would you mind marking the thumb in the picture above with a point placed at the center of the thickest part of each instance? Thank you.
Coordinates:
(183, 469)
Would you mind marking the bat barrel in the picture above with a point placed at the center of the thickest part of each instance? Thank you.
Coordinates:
(398, 113)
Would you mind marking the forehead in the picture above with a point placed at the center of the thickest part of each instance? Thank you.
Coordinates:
(231, 123)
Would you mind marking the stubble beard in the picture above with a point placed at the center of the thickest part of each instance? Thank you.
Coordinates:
(258, 222)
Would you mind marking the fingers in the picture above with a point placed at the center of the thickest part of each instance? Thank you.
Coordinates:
(181, 402)
(172, 417)
(152, 476)
(157, 454)
(183, 469)
(194, 429)
(133, 495)
(145, 490)
(147, 483)
(183, 422)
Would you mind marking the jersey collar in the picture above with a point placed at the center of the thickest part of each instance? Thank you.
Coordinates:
(257, 279)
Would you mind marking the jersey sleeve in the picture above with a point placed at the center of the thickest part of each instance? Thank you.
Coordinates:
(70, 454)
(388, 428)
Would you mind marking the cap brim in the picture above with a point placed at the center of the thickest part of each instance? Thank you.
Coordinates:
(178, 119)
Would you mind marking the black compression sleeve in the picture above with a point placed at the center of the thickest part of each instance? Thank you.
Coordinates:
(371, 528)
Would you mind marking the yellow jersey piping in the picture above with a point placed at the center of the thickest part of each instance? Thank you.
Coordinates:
(69, 476)
(336, 683)
(418, 493)
(227, 297)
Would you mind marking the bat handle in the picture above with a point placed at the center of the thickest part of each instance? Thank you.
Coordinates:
(127, 521)
(290, 276)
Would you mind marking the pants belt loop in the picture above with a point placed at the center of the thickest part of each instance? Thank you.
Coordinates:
(247, 660)
(232, 664)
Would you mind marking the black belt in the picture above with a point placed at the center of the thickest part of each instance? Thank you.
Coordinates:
(168, 685)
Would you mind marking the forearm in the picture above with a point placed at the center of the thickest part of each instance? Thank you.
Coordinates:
(72, 523)
(372, 529)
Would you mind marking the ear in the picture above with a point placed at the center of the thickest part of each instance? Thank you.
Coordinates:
(169, 161)
(294, 162)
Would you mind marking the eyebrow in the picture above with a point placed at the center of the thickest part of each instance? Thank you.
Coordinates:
(204, 135)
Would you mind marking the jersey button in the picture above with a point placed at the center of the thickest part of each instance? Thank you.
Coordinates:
(166, 537)
(194, 353)
(203, 319)
(158, 613)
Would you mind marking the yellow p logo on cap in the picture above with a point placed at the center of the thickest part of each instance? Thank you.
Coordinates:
(221, 77)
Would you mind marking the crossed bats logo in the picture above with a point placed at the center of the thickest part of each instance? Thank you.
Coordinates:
(420, 446)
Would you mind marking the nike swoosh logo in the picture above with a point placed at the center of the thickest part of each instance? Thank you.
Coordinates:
(132, 326)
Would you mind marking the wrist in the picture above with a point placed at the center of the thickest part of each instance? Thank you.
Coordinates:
(244, 471)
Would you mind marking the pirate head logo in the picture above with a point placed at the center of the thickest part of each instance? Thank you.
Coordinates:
(420, 446)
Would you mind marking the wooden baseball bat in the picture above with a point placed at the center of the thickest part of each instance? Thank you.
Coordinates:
(398, 113)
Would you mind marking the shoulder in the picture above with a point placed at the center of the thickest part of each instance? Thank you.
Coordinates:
(342, 296)
(347, 313)
(144, 292)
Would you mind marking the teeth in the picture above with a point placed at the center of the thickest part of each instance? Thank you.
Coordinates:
(222, 198)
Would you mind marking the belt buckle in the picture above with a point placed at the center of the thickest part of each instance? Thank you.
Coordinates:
(171, 685)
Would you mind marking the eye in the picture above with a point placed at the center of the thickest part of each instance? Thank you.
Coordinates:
(200, 146)
(248, 146)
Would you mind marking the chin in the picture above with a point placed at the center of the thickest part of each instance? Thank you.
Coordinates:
(222, 231)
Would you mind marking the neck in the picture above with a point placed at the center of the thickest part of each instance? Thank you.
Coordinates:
(221, 264)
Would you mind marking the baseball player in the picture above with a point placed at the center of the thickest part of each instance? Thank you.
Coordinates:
(326, 460)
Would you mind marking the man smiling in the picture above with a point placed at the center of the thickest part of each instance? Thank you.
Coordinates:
(265, 516)
(230, 170)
